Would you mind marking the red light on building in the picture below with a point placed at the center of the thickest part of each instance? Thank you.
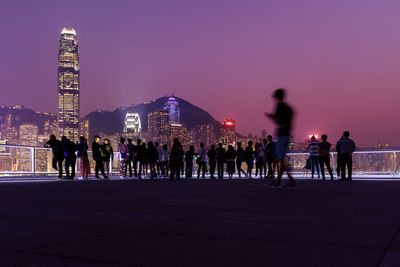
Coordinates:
(229, 123)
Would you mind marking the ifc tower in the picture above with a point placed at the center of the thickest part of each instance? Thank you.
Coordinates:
(68, 85)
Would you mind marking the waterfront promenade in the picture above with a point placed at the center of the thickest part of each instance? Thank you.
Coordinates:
(199, 223)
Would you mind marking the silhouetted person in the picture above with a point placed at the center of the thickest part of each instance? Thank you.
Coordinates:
(239, 159)
(313, 147)
(176, 159)
(123, 156)
(270, 154)
(201, 161)
(83, 159)
(164, 160)
(189, 162)
(58, 154)
(144, 163)
(283, 118)
(137, 161)
(249, 158)
(324, 158)
(346, 148)
(220, 160)
(70, 156)
(338, 158)
(230, 161)
(212, 160)
(108, 154)
(130, 157)
(96, 154)
(159, 160)
(264, 145)
(259, 156)
(152, 158)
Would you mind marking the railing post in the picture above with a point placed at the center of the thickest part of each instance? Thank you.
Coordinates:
(394, 163)
(333, 163)
(110, 165)
(33, 161)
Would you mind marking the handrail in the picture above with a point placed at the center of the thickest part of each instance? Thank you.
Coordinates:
(31, 165)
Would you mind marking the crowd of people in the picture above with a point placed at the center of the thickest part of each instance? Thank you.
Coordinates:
(138, 159)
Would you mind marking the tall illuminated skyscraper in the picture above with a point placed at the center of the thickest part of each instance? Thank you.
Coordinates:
(172, 106)
(68, 85)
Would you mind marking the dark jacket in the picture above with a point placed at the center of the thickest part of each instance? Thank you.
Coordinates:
(107, 152)
(240, 154)
(82, 149)
(96, 151)
(220, 154)
(230, 155)
(57, 148)
(248, 154)
(152, 154)
(69, 149)
(212, 155)
(189, 155)
(176, 156)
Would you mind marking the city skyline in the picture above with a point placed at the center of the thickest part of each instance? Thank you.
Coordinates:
(229, 69)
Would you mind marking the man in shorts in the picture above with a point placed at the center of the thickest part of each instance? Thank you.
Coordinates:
(283, 119)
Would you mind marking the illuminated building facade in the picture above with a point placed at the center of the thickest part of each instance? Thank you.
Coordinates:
(172, 107)
(228, 136)
(132, 123)
(68, 85)
(205, 133)
(84, 129)
(157, 126)
(177, 130)
(28, 134)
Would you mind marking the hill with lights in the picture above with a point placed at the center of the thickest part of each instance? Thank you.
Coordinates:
(110, 122)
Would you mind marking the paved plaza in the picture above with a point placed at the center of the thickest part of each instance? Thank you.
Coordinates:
(199, 223)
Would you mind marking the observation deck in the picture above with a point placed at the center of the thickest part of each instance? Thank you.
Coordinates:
(198, 222)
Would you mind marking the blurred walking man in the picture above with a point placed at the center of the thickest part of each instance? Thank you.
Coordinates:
(283, 119)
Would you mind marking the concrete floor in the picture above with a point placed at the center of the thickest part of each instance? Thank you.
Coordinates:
(199, 223)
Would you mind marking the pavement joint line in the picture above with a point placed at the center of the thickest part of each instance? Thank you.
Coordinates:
(271, 240)
(387, 248)
(70, 257)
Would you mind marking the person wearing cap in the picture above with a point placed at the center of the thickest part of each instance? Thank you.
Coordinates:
(96, 153)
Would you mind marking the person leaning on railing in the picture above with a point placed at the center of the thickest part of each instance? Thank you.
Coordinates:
(58, 154)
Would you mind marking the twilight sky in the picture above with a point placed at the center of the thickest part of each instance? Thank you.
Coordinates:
(339, 60)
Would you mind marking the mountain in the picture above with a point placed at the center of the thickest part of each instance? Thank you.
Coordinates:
(110, 122)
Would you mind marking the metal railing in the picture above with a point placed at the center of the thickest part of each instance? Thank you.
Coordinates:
(18, 160)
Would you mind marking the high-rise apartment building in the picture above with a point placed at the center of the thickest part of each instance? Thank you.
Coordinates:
(84, 128)
(158, 125)
(177, 130)
(228, 136)
(28, 134)
(68, 85)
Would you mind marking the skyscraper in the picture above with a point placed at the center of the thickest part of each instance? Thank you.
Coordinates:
(157, 125)
(68, 85)
(172, 106)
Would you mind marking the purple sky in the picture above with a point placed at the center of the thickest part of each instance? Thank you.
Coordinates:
(339, 60)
